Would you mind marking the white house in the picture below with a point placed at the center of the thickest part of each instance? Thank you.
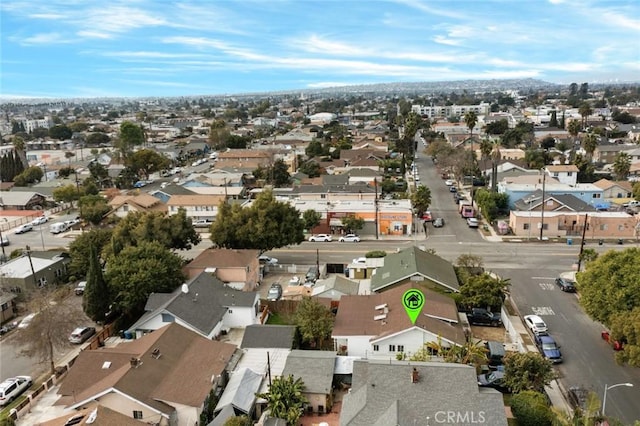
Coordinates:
(564, 173)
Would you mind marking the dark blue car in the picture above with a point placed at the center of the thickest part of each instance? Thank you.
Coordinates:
(549, 349)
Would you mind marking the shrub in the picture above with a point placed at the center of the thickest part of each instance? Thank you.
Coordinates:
(376, 253)
(531, 409)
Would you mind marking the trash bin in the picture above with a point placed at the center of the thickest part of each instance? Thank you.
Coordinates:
(600, 242)
(569, 241)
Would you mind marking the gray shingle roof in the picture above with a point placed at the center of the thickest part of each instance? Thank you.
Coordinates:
(414, 262)
(533, 201)
(315, 368)
(383, 394)
(268, 336)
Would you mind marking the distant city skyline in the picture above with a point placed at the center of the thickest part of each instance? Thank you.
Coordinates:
(143, 48)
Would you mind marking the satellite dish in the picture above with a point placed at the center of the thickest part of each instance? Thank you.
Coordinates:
(185, 288)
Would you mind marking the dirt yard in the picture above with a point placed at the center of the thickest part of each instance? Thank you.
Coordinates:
(498, 334)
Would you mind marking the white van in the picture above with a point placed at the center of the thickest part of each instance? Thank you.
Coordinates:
(57, 228)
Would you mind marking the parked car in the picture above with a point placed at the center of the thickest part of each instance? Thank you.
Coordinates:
(349, 238)
(26, 321)
(39, 220)
(448, 182)
(24, 228)
(453, 189)
(548, 348)
(72, 222)
(494, 379)
(81, 334)
(479, 316)
(295, 280)
(438, 222)
(536, 324)
(201, 223)
(427, 217)
(8, 327)
(312, 274)
(56, 228)
(140, 184)
(275, 292)
(566, 284)
(79, 290)
(4, 241)
(266, 260)
(320, 238)
(472, 222)
(359, 261)
(12, 388)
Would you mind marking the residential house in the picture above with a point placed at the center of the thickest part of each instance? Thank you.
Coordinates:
(162, 378)
(334, 287)
(22, 200)
(122, 205)
(552, 203)
(607, 154)
(364, 175)
(34, 269)
(419, 393)
(415, 265)
(377, 325)
(244, 159)
(563, 173)
(371, 142)
(238, 268)
(196, 206)
(315, 368)
(94, 415)
(268, 336)
(521, 186)
(615, 191)
(600, 225)
(7, 306)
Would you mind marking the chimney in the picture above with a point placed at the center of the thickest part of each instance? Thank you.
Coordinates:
(415, 376)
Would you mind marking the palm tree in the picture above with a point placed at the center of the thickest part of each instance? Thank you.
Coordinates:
(585, 111)
(622, 166)
(471, 119)
(285, 399)
(573, 128)
(486, 146)
(590, 143)
(20, 147)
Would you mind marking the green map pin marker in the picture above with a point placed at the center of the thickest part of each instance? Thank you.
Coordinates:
(413, 301)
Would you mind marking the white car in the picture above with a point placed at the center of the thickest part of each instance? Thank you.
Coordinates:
(448, 182)
(295, 281)
(11, 388)
(472, 222)
(321, 238)
(349, 238)
(536, 324)
(39, 220)
(26, 321)
(24, 228)
(359, 261)
(266, 260)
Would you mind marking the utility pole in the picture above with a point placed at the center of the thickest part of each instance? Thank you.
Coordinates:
(33, 271)
(584, 231)
(375, 202)
(544, 179)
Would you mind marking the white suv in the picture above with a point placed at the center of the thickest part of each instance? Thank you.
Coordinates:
(320, 237)
(536, 325)
(10, 389)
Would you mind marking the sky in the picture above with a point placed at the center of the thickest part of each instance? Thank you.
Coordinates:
(142, 48)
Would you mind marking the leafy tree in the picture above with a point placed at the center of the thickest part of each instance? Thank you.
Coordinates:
(527, 371)
(315, 149)
(285, 399)
(574, 128)
(553, 121)
(586, 169)
(535, 159)
(48, 332)
(174, 232)
(10, 167)
(548, 143)
(66, 194)
(636, 191)
(310, 168)
(585, 111)
(79, 126)
(280, 174)
(484, 291)
(314, 321)
(531, 409)
(99, 173)
(470, 261)
(131, 135)
(497, 127)
(60, 132)
(79, 250)
(89, 187)
(622, 166)
(265, 225)
(238, 142)
(625, 327)
(96, 298)
(64, 172)
(28, 176)
(610, 284)
(97, 139)
(311, 219)
(137, 271)
(93, 208)
(352, 223)
(421, 199)
(147, 161)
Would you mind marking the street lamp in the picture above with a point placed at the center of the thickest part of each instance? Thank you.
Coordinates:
(604, 400)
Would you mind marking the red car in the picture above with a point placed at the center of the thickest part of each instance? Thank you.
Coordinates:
(426, 216)
(617, 345)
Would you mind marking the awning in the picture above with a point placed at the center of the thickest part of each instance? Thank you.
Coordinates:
(335, 222)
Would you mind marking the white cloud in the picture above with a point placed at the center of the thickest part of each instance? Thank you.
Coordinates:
(42, 38)
(316, 44)
(448, 41)
(430, 9)
(94, 34)
(325, 84)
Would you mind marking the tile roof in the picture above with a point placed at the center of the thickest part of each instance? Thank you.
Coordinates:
(268, 336)
(607, 184)
(315, 368)
(414, 262)
(181, 374)
(383, 394)
(356, 314)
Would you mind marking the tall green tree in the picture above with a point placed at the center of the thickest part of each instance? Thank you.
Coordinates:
(66, 194)
(421, 199)
(530, 408)
(93, 208)
(590, 143)
(137, 271)
(98, 138)
(60, 132)
(28, 176)
(147, 161)
(285, 399)
(610, 284)
(311, 219)
(527, 371)
(315, 322)
(585, 111)
(622, 166)
(352, 223)
(21, 149)
(131, 135)
(625, 327)
(79, 250)
(484, 291)
(96, 298)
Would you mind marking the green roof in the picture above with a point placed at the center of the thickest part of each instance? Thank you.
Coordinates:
(413, 262)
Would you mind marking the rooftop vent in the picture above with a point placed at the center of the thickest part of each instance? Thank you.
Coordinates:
(155, 354)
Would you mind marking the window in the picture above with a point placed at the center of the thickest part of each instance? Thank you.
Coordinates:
(392, 348)
(376, 348)
(167, 318)
(125, 208)
(603, 226)
(137, 414)
(42, 282)
(555, 174)
(400, 348)
(620, 227)
(595, 196)
(569, 173)
(525, 226)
